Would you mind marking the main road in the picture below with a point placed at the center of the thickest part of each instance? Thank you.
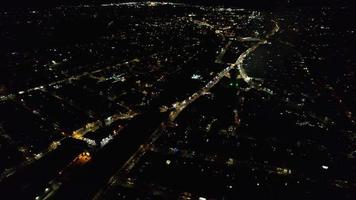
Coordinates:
(178, 107)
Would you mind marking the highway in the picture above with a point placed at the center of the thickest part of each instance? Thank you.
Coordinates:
(178, 107)
(80, 134)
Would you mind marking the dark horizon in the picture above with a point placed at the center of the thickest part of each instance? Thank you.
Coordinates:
(13, 4)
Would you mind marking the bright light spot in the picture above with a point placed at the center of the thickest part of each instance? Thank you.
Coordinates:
(168, 162)
(325, 167)
(202, 198)
(152, 4)
(196, 77)
(47, 189)
(38, 156)
(37, 198)
(106, 140)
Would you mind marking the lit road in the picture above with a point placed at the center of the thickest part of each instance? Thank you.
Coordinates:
(66, 80)
(178, 107)
(222, 53)
(76, 135)
(201, 23)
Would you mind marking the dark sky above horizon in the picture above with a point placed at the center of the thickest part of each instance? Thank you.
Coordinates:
(249, 3)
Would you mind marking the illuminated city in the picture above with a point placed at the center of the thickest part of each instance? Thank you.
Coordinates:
(177, 100)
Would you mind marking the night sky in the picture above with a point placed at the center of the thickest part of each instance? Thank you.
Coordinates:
(250, 3)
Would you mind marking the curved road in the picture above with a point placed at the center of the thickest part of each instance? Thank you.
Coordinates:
(180, 106)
